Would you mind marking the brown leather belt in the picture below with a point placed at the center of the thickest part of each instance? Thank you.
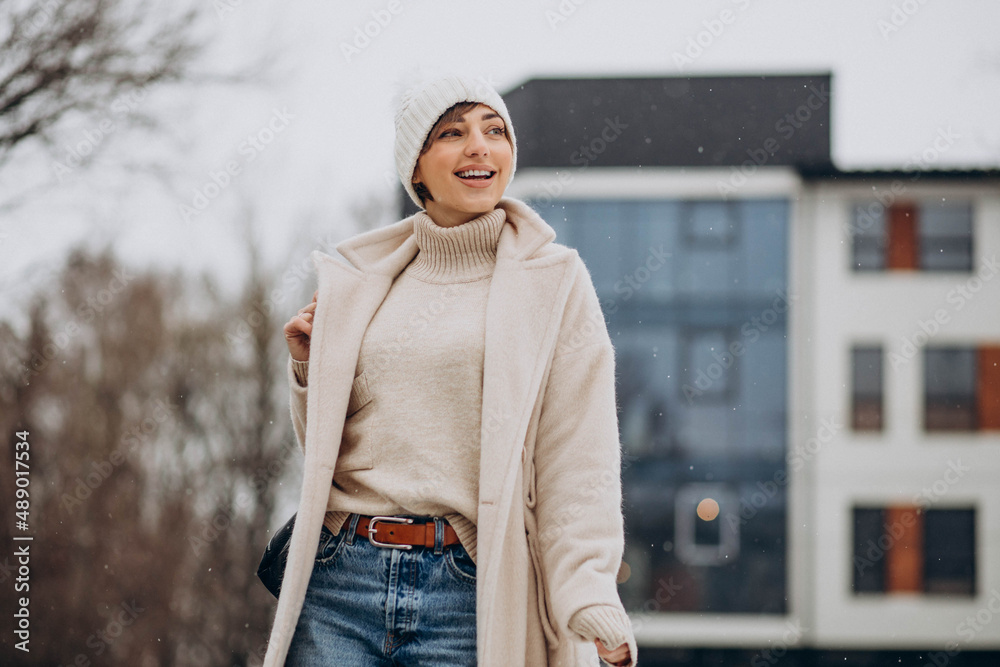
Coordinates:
(402, 532)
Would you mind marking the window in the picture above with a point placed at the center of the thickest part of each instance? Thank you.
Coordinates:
(931, 236)
(710, 223)
(904, 549)
(949, 552)
(945, 233)
(869, 574)
(961, 388)
(709, 365)
(866, 388)
(702, 535)
(950, 389)
(868, 238)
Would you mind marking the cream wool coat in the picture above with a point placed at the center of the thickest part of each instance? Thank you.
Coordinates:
(550, 528)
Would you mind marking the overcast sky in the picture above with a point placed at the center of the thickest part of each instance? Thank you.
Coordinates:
(902, 72)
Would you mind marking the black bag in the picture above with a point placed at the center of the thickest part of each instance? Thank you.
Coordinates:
(272, 563)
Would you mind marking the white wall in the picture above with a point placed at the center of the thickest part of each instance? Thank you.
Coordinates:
(895, 465)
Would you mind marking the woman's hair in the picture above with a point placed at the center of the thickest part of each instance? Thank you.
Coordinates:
(451, 114)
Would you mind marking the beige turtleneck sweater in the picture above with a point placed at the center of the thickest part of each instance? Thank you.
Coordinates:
(411, 440)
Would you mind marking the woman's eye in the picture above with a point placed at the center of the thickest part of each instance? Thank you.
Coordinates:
(499, 130)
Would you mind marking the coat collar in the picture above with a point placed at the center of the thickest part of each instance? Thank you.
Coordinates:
(387, 250)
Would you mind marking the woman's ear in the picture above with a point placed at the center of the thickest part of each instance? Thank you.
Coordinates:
(422, 192)
(419, 187)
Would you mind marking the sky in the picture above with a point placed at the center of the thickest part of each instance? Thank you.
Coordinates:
(307, 140)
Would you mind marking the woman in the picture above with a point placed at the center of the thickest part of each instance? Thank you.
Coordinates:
(461, 448)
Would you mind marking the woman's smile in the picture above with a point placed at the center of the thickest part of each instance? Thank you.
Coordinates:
(477, 176)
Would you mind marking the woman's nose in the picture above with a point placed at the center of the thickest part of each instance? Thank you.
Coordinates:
(477, 144)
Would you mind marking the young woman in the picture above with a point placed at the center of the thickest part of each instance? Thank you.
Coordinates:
(453, 391)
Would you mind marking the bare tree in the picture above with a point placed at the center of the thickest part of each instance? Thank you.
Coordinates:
(60, 58)
(160, 437)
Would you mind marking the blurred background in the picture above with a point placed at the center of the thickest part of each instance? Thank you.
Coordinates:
(790, 210)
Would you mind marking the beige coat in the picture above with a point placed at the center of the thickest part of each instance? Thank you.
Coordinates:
(550, 529)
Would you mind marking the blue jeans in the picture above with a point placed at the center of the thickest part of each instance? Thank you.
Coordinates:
(380, 606)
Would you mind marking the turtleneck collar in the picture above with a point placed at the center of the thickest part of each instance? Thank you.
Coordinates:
(456, 254)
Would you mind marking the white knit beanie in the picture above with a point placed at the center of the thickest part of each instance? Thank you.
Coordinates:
(420, 107)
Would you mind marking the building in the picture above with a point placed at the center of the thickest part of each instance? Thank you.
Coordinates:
(809, 368)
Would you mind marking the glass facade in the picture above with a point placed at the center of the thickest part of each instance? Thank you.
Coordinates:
(695, 296)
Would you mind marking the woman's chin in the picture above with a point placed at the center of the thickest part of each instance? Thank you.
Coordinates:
(478, 204)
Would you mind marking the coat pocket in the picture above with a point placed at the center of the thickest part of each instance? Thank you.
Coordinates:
(356, 447)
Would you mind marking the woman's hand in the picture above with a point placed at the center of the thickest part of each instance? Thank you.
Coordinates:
(620, 656)
(298, 331)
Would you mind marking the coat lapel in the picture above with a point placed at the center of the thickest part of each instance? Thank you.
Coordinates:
(525, 307)
(522, 318)
(524, 310)
(347, 300)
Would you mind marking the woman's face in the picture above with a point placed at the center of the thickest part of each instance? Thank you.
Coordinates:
(476, 142)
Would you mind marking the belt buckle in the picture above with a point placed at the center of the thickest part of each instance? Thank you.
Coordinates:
(387, 519)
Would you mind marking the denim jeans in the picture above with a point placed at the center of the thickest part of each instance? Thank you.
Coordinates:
(379, 606)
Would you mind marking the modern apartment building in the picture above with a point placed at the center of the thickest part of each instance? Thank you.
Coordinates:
(808, 362)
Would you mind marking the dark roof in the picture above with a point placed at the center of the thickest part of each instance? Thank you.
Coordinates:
(672, 121)
(832, 174)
